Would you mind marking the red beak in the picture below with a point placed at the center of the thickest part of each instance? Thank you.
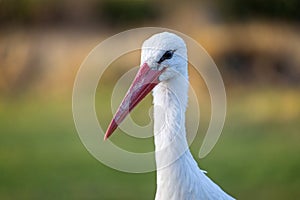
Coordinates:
(145, 80)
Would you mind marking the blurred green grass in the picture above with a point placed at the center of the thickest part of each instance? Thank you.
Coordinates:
(41, 156)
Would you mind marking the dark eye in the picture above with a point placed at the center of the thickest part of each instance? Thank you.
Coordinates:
(167, 55)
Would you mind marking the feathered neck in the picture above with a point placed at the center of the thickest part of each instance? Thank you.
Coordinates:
(178, 174)
(170, 101)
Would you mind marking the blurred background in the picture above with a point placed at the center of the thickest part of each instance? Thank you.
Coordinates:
(255, 44)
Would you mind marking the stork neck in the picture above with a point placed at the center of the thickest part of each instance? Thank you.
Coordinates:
(178, 175)
(170, 101)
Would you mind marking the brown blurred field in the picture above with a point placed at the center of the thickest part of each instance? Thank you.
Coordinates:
(256, 47)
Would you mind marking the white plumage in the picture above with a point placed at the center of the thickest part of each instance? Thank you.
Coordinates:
(178, 175)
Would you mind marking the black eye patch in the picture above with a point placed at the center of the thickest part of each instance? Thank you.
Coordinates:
(167, 55)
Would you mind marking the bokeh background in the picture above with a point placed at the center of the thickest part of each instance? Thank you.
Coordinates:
(255, 44)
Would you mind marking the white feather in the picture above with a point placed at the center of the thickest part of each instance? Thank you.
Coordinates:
(178, 175)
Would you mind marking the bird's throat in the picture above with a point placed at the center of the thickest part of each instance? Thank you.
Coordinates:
(170, 100)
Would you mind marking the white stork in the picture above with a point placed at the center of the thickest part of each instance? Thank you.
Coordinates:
(164, 70)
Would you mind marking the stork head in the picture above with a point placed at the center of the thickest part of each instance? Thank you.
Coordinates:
(165, 51)
(163, 57)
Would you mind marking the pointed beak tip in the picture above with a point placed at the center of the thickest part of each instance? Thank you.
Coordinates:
(110, 129)
(107, 135)
(105, 138)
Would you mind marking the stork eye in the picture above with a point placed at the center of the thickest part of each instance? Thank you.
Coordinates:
(167, 55)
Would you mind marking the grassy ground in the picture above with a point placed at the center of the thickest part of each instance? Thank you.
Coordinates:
(41, 156)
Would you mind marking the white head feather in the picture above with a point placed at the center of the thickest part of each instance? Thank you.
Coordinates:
(155, 47)
(179, 177)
